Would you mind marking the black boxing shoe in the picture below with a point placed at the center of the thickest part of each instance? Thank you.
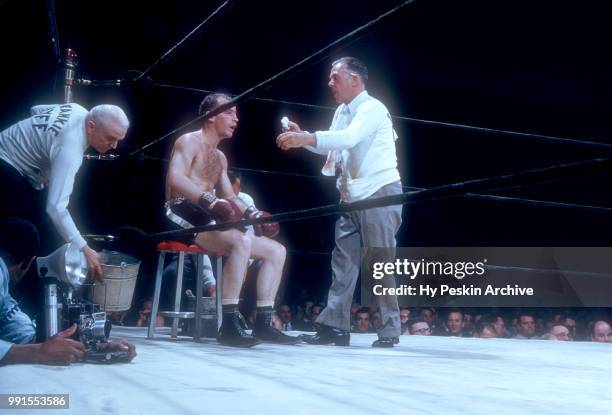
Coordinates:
(264, 330)
(232, 334)
(386, 342)
(243, 322)
(273, 335)
(328, 335)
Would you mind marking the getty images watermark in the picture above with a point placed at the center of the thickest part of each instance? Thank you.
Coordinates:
(489, 277)
(458, 270)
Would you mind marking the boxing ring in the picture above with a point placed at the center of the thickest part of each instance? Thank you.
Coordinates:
(421, 375)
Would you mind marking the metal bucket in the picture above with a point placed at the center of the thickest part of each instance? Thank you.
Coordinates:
(120, 272)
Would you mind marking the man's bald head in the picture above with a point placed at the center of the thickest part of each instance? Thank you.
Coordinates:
(106, 125)
(602, 333)
(106, 113)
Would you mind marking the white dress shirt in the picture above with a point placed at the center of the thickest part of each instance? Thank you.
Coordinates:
(361, 141)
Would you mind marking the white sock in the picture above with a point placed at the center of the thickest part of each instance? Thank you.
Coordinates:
(230, 301)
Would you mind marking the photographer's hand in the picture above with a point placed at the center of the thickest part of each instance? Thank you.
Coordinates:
(60, 349)
(119, 346)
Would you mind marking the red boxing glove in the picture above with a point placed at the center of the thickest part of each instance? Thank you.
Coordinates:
(237, 215)
(269, 229)
(225, 210)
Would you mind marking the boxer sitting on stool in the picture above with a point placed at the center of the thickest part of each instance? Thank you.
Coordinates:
(197, 167)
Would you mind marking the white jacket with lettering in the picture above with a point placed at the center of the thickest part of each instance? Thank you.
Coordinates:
(47, 149)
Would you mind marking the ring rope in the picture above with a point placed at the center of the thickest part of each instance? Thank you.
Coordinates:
(487, 197)
(174, 49)
(285, 73)
(435, 123)
(446, 191)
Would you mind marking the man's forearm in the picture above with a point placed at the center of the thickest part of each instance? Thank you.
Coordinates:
(64, 225)
(21, 353)
(181, 184)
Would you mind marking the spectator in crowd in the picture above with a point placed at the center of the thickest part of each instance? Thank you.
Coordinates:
(144, 315)
(310, 311)
(284, 313)
(485, 329)
(468, 322)
(499, 324)
(601, 333)
(526, 326)
(540, 325)
(429, 315)
(455, 323)
(556, 318)
(303, 317)
(362, 321)
(485, 325)
(418, 327)
(558, 331)
(166, 299)
(514, 326)
(570, 323)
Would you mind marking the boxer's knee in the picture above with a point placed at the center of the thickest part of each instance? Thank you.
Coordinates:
(275, 253)
(240, 244)
(281, 252)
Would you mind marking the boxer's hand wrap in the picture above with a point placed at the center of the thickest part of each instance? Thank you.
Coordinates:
(270, 229)
(223, 209)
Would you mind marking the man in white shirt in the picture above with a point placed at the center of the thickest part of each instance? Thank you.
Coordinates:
(46, 150)
(360, 145)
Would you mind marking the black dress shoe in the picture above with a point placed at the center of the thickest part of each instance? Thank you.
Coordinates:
(328, 335)
(231, 333)
(386, 342)
(272, 335)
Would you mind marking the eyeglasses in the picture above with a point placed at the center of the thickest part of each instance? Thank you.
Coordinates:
(422, 331)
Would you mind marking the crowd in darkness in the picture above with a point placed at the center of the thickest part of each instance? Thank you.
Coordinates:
(574, 324)
(583, 324)
(563, 324)
(543, 324)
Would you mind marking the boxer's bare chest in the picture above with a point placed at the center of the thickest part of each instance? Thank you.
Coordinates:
(206, 166)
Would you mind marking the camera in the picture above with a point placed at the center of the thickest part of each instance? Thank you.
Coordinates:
(93, 330)
(63, 273)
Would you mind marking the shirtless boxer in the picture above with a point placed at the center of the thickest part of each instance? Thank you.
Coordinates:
(197, 167)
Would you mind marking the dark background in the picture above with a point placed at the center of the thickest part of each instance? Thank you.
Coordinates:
(528, 66)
